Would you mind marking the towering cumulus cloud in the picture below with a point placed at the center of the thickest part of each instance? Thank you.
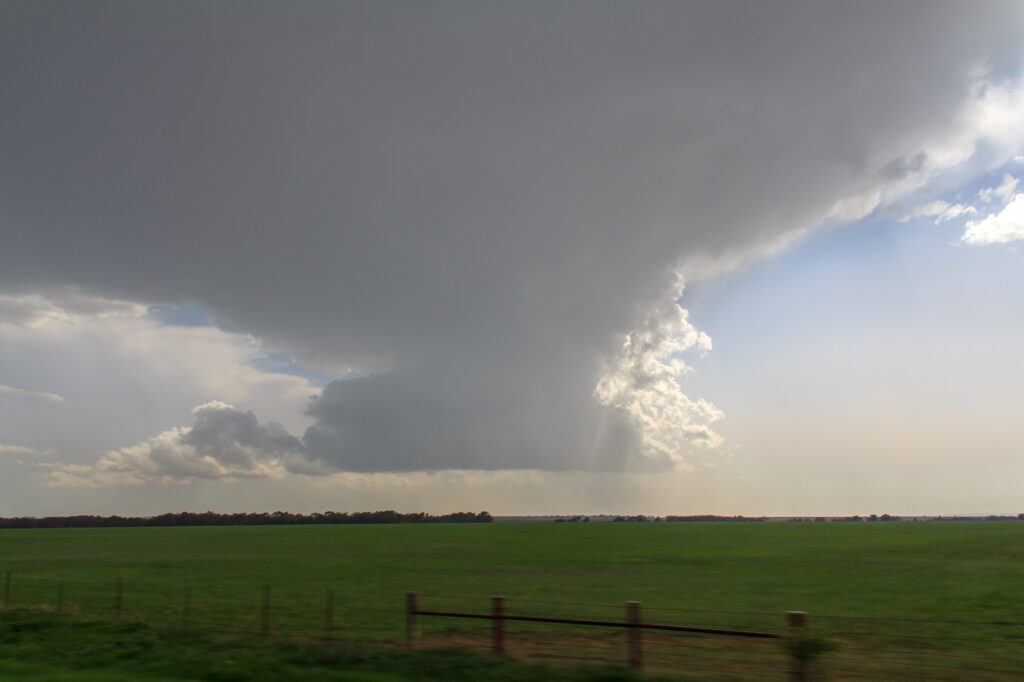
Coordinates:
(478, 206)
(642, 380)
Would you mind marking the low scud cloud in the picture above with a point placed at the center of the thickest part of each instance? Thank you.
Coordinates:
(480, 208)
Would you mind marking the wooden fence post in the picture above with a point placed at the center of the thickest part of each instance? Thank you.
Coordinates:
(329, 614)
(635, 634)
(7, 590)
(265, 625)
(498, 611)
(119, 594)
(798, 664)
(412, 630)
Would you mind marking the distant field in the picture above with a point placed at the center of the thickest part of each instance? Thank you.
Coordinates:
(897, 598)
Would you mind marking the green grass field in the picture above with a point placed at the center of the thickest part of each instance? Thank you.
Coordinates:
(895, 598)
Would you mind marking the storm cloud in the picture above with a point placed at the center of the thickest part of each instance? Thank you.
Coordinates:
(472, 204)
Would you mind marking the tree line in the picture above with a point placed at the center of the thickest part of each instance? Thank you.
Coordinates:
(706, 518)
(209, 518)
(695, 518)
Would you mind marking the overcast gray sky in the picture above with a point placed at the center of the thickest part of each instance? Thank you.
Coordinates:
(462, 231)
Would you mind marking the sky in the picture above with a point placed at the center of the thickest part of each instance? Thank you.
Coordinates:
(533, 258)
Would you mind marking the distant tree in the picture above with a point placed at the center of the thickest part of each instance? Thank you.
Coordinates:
(210, 518)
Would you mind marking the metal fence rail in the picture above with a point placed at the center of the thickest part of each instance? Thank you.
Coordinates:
(633, 624)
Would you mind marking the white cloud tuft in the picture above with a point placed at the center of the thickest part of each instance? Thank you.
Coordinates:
(942, 210)
(214, 405)
(8, 449)
(42, 395)
(1003, 192)
(642, 380)
(998, 228)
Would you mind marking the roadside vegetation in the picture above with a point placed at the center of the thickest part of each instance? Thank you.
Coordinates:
(37, 645)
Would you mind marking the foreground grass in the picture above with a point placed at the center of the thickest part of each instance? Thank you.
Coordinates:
(36, 645)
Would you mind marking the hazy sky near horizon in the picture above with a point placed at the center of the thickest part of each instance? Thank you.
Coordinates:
(568, 257)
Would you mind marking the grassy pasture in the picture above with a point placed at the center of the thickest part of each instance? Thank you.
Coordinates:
(897, 598)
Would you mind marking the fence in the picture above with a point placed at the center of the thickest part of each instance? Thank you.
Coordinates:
(691, 641)
(633, 624)
(267, 610)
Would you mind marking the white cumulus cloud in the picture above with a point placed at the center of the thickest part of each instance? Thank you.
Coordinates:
(999, 228)
(642, 379)
(224, 443)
